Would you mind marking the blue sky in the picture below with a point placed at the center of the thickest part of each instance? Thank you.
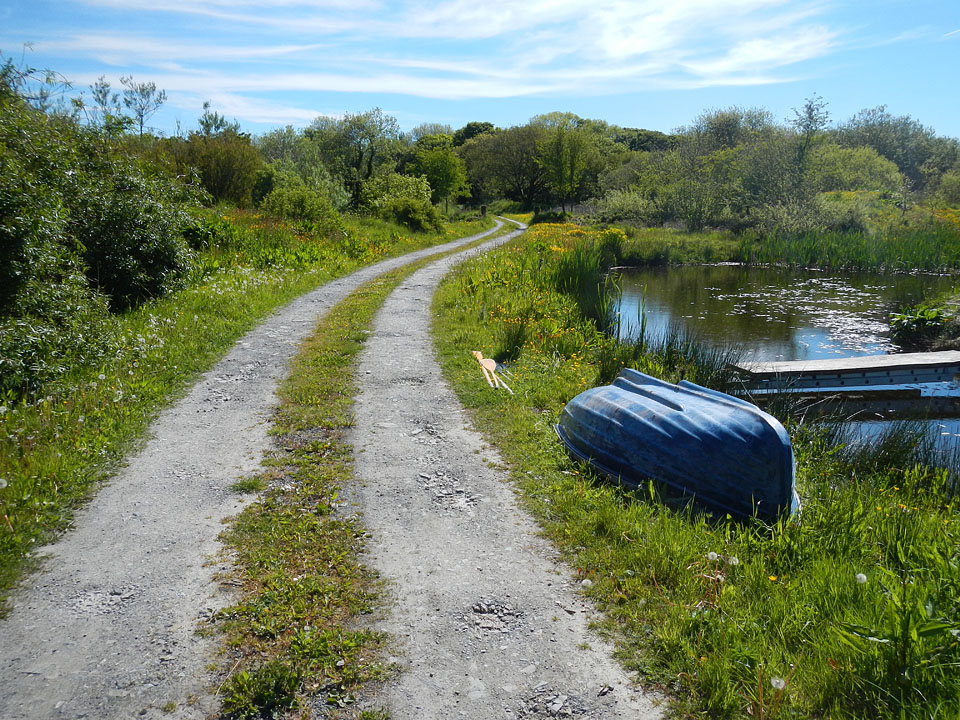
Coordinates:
(635, 63)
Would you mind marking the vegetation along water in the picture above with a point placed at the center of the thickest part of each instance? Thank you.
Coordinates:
(129, 261)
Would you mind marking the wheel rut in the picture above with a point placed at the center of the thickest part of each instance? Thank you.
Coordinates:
(106, 629)
(488, 624)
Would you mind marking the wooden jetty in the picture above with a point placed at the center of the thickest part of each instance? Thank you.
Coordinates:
(906, 384)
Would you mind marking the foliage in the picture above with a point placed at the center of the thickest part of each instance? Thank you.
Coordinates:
(416, 214)
(81, 224)
(917, 326)
(224, 159)
(850, 613)
(446, 173)
(356, 146)
(129, 226)
(471, 130)
(292, 198)
(142, 99)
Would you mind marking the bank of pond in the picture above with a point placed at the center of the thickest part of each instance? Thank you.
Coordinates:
(850, 610)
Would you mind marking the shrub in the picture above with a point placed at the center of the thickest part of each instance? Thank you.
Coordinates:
(416, 214)
(916, 326)
(131, 233)
(379, 192)
(298, 202)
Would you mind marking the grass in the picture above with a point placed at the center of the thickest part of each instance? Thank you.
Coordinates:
(295, 639)
(295, 549)
(57, 447)
(852, 612)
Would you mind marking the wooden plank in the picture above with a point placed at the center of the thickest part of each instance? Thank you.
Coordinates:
(948, 361)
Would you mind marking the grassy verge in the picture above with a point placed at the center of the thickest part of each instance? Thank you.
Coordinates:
(294, 640)
(852, 612)
(54, 449)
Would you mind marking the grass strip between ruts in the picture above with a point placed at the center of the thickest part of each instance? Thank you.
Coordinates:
(57, 449)
(294, 639)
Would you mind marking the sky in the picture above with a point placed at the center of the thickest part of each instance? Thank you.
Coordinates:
(634, 63)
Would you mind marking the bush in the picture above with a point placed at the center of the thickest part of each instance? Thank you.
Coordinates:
(380, 191)
(79, 224)
(131, 231)
(624, 206)
(298, 202)
(416, 214)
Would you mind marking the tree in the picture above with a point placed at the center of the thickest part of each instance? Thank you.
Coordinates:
(566, 152)
(471, 130)
(143, 99)
(917, 151)
(106, 109)
(430, 128)
(443, 168)
(355, 146)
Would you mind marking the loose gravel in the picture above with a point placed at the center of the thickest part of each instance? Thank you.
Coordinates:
(489, 625)
(107, 628)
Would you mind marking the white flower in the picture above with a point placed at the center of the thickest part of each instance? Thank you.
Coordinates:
(711, 556)
(733, 561)
(861, 578)
(778, 683)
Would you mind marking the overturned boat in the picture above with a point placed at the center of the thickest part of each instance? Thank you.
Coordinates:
(728, 454)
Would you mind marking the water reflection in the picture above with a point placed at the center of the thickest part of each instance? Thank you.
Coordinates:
(773, 314)
(777, 314)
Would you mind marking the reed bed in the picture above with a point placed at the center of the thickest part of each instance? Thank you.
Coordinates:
(851, 610)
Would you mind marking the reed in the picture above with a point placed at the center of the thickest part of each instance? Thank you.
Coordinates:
(850, 612)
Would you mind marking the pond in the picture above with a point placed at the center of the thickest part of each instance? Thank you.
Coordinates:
(771, 313)
(777, 314)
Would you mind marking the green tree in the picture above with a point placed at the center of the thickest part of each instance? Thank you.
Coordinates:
(917, 150)
(142, 99)
(446, 172)
(566, 153)
(471, 130)
(356, 146)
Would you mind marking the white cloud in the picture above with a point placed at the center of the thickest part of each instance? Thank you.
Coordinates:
(451, 50)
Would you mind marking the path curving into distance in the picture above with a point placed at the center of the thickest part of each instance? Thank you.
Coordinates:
(488, 625)
(106, 629)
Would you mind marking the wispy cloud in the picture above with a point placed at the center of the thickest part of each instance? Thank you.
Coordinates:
(463, 49)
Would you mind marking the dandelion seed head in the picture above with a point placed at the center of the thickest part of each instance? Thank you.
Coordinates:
(101, 376)
(711, 556)
(733, 561)
(778, 683)
(861, 578)
(3, 483)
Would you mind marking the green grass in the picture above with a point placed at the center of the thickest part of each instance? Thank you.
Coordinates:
(294, 632)
(56, 448)
(931, 249)
(852, 612)
(297, 632)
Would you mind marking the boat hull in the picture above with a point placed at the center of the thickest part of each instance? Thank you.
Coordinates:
(730, 455)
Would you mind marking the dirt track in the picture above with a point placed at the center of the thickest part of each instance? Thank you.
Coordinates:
(488, 625)
(106, 629)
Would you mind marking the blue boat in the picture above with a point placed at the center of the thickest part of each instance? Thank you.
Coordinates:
(728, 454)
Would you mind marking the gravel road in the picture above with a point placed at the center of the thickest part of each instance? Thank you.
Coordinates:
(106, 629)
(489, 625)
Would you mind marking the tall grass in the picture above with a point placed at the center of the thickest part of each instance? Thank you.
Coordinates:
(935, 248)
(852, 611)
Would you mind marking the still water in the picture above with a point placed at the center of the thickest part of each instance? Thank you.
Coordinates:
(770, 313)
(777, 314)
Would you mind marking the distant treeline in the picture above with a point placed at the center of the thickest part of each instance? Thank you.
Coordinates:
(97, 212)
